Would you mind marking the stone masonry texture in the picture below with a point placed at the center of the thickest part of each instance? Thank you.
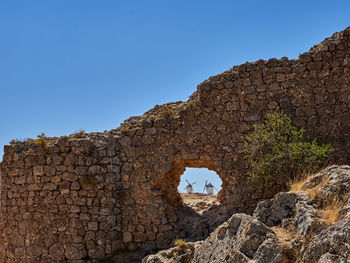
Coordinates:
(85, 196)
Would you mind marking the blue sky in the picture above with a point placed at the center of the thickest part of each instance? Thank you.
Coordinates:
(84, 64)
(197, 178)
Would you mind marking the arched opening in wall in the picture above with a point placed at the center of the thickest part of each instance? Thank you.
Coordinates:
(199, 188)
(194, 222)
(168, 184)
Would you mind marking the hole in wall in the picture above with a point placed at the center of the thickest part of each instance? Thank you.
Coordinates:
(196, 221)
(169, 183)
(199, 188)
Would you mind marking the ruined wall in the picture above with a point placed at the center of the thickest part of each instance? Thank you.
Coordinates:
(132, 173)
(59, 203)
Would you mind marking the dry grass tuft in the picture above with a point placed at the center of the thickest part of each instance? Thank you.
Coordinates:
(328, 205)
(330, 213)
(297, 185)
(166, 111)
(285, 236)
(78, 134)
(315, 192)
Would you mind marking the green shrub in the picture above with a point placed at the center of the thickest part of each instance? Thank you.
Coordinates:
(180, 243)
(278, 152)
(41, 140)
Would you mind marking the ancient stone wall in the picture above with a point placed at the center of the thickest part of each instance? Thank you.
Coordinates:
(60, 203)
(85, 196)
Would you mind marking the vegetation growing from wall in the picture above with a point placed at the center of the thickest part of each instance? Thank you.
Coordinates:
(40, 140)
(278, 152)
(180, 243)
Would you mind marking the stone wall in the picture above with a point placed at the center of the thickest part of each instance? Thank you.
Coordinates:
(60, 203)
(85, 196)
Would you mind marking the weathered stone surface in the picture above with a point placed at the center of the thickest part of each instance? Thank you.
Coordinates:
(330, 258)
(241, 233)
(272, 211)
(334, 240)
(241, 239)
(76, 251)
(305, 215)
(56, 252)
(175, 254)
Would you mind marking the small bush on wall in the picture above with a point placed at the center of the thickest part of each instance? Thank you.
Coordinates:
(278, 152)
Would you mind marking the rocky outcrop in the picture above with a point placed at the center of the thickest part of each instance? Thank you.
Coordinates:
(334, 240)
(241, 239)
(242, 236)
(291, 227)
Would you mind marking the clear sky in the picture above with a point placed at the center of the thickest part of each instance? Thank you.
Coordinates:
(197, 178)
(85, 64)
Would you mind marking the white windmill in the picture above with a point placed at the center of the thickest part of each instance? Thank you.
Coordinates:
(189, 187)
(209, 188)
